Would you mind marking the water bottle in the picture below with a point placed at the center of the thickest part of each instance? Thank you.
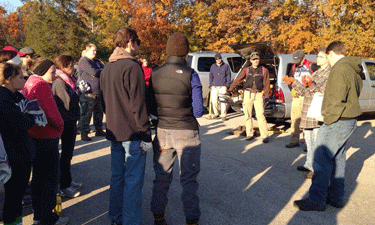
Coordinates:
(58, 208)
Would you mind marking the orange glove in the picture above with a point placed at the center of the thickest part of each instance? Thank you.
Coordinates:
(288, 80)
(307, 81)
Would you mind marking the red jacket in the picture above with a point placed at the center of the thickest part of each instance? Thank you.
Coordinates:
(37, 88)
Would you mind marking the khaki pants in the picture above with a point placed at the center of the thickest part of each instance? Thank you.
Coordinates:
(215, 91)
(255, 99)
(296, 113)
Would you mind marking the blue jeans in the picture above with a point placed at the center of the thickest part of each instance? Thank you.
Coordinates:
(128, 170)
(330, 160)
(310, 138)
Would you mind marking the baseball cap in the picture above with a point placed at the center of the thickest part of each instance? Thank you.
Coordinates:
(11, 48)
(218, 56)
(27, 51)
(298, 56)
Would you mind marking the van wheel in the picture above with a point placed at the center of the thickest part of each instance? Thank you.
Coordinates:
(271, 119)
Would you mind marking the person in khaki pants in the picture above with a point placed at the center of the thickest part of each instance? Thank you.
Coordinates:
(256, 81)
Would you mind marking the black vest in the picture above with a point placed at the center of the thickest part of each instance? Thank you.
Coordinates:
(173, 94)
(254, 77)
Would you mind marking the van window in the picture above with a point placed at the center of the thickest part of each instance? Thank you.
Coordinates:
(189, 60)
(371, 70)
(235, 63)
(205, 63)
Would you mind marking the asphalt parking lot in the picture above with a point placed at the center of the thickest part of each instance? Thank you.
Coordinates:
(240, 182)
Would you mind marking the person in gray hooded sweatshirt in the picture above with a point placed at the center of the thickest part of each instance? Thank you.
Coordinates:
(124, 92)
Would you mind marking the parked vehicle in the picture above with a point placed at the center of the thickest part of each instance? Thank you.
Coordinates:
(279, 65)
(202, 61)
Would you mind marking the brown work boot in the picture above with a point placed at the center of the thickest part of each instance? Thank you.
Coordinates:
(292, 145)
(85, 137)
(310, 175)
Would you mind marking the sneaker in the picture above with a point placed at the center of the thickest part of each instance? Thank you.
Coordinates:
(292, 145)
(62, 221)
(265, 140)
(302, 168)
(100, 133)
(334, 204)
(76, 185)
(69, 192)
(307, 205)
(85, 137)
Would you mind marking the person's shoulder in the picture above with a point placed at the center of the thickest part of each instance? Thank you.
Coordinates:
(4, 94)
(83, 59)
(58, 82)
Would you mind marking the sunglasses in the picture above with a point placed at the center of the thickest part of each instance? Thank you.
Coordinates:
(254, 54)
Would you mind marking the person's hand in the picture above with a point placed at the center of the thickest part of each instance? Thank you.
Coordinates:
(307, 81)
(146, 146)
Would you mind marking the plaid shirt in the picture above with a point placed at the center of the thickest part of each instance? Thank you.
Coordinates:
(319, 78)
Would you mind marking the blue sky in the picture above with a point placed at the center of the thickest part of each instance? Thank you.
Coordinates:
(13, 3)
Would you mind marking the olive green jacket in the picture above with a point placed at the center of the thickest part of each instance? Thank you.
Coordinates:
(343, 88)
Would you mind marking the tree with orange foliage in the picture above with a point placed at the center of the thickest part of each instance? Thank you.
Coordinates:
(9, 27)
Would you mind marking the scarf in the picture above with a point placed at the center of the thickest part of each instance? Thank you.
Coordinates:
(71, 81)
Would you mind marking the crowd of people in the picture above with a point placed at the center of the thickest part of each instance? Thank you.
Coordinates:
(44, 102)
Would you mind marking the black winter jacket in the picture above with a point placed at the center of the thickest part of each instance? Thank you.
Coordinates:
(14, 125)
